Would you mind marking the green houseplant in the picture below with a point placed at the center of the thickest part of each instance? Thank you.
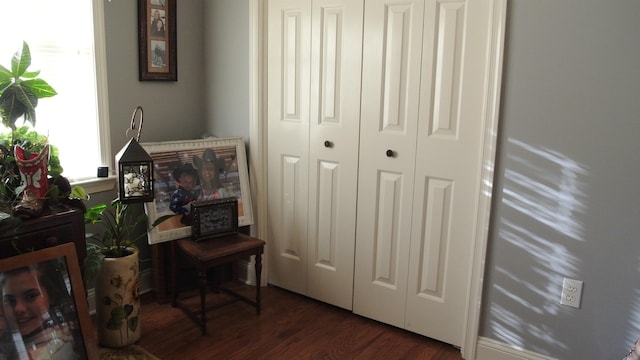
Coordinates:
(20, 91)
(112, 261)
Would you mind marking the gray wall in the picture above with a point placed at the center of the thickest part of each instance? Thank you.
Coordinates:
(567, 201)
(226, 56)
(172, 110)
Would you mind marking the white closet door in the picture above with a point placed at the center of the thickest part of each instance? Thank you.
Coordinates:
(448, 167)
(289, 32)
(390, 96)
(417, 216)
(336, 45)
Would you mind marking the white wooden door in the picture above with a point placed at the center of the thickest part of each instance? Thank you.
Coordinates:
(314, 114)
(289, 31)
(448, 167)
(390, 98)
(336, 43)
(428, 234)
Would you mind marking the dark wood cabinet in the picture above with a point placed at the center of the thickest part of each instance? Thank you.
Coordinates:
(57, 226)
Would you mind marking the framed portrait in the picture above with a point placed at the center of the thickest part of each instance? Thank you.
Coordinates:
(214, 218)
(157, 40)
(188, 171)
(50, 284)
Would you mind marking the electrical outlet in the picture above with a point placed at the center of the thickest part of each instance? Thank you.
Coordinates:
(571, 292)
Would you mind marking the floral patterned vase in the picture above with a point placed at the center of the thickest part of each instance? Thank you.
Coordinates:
(118, 301)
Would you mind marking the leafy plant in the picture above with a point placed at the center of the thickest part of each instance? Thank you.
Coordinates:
(20, 90)
(118, 235)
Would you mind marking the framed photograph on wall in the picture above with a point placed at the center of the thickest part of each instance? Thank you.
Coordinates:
(52, 282)
(187, 171)
(157, 40)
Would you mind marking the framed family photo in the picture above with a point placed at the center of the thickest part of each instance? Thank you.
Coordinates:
(191, 172)
(50, 283)
(157, 40)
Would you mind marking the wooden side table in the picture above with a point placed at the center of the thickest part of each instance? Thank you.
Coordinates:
(206, 254)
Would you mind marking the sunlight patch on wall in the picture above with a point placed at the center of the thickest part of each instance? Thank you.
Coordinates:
(545, 193)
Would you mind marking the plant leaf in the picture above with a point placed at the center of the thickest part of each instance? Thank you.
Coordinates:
(21, 60)
(40, 88)
(5, 74)
(31, 74)
(12, 107)
(92, 264)
(78, 192)
(133, 323)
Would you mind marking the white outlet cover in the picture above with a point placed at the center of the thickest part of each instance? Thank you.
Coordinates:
(571, 292)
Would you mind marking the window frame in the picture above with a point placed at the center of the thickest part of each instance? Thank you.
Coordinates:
(93, 185)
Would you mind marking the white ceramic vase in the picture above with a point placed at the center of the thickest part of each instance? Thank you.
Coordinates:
(118, 301)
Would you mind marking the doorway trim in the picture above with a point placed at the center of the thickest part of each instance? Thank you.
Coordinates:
(258, 151)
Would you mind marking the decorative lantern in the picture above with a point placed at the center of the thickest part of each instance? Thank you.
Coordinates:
(134, 168)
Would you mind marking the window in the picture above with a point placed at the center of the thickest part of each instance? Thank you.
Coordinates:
(66, 40)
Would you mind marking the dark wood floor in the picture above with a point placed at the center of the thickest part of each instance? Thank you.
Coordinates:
(290, 327)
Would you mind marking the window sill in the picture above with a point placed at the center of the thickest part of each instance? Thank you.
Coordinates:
(96, 185)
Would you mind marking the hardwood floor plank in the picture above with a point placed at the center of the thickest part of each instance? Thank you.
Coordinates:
(290, 326)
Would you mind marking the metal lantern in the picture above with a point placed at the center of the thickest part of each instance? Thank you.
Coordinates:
(134, 168)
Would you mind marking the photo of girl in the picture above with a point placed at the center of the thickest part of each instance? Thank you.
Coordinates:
(38, 310)
(157, 22)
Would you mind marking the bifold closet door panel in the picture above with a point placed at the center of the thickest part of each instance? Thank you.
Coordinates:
(289, 31)
(448, 172)
(336, 60)
(392, 47)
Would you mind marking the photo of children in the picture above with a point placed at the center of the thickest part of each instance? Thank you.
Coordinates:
(182, 177)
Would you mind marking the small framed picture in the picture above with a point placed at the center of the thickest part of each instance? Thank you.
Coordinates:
(214, 218)
(157, 48)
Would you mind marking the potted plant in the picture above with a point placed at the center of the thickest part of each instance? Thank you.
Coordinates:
(20, 91)
(112, 261)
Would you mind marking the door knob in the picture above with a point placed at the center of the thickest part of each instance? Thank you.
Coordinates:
(390, 153)
(328, 144)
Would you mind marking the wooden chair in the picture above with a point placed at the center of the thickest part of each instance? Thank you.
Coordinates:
(207, 254)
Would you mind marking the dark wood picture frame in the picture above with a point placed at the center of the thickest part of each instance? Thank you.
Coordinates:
(59, 274)
(157, 40)
(214, 218)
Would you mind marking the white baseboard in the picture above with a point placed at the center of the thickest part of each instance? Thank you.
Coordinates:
(489, 349)
(246, 272)
(146, 285)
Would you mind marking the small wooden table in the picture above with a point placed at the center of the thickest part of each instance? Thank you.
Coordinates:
(206, 254)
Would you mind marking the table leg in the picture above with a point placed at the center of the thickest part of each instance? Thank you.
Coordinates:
(258, 261)
(202, 275)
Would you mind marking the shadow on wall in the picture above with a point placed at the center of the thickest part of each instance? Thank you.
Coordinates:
(548, 188)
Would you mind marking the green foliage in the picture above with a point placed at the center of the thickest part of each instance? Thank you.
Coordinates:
(33, 142)
(20, 90)
(118, 226)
